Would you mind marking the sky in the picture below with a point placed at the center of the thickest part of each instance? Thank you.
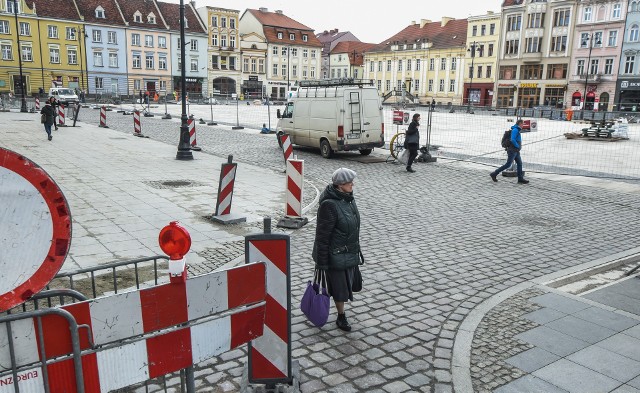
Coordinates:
(366, 19)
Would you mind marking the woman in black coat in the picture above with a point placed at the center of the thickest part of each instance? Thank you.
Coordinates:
(412, 140)
(48, 112)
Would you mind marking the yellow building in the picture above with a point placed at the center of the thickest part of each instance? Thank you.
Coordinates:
(51, 49)
(483, 37)
(424, 59)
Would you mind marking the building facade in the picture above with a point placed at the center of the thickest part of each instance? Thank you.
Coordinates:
(483, 38)
(347, 59)
(535, 53)
(597, 46)
(253, 51)
(329, 39)
(627, 97)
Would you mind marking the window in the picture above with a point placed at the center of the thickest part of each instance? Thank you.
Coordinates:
(490, 52)
(25, 28)
(480, 50)
(194, 65)
(305, 53)
(379, 85)
(617, 11)
(399, 85)
(304, 37)
(313, 53)
(96, 35)
(4, 26)
(253, 65)
(223, 41)
(399, 65)
(284, 69)
(113, 59)
(613, 38)
(597, 39)
(628, 64)
(99, 83)
(474, 31)
(379, 66)
(232, 41)
(443, 64)
(418, 64)
(232, 23)
(432, 64)
(6, 52)
(53, 31)
(492, 29)
(488, 75)
(148, 40)
(223, 22)
(284, 51)
(584, 40)
(100, 13)
(214, 40)
(149, 62)
(97, 59)
(561, 18)
(483, 30)
(633, 33)
(292, 36)
(533, 71)
(558, 44)
(479, 75)
(371, 66)
(441, 87)
(416, 84)
(536, 20)
(470, 72)
(586, 16)
(275, 70)
(514, 22)
(112, 37)
(294, 70)
(261, 66)
(454, 63)
(214, 61)
(27, 53)
(279, 35)
(10, 8)
(339, 72)
(511, 47)
(137, 17)
(608, 66)
(162, 42)
(137, 61)
(54, 55)
(194, 45)
(388, 65)
(508, 72)
(245, 65)
(294, 52)
(430, 85)
(388, 85)
(557, 71)
(580, 67)
(452, 85)
(151, 18)
(163, 85)
(593, 68)
(136, 84)
(72, 56)
(214, 21)
(408, 64)
(135, 39)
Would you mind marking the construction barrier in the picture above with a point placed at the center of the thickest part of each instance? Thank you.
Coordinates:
(293, 196)
(192, 134)
(137, 127)
(103, 117)
(61, 119)
(37, 103)
(287, 147)
(223, 213)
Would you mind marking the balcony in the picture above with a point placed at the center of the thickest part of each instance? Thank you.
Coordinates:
(534, 57)
(591, 78)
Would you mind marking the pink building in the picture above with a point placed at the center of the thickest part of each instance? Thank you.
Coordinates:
(595, 57)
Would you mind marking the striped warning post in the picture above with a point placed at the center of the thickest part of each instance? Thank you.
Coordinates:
(137, 128)
(192, 134)
(61, 119)
(103, 117)
(293, 196)
(270, 355)
(37, 103)
(287, 147)
(143, 334)
(225, 194)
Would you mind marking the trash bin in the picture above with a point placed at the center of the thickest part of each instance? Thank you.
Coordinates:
(568, 114)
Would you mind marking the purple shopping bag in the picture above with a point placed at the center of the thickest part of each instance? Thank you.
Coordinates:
(315, 301)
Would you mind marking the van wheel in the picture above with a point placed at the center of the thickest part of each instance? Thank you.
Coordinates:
(325, 149)
(365, 152)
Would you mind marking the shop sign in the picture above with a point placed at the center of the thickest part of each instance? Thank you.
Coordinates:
(556, 85)
(629, 84)
(253, 77)
(525, 85)
(506, 85)
(277, 83)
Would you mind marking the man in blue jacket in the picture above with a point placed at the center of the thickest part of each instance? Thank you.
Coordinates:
(513, 153)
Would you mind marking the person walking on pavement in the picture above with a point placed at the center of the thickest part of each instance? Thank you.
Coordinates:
(48, 112)
(336, 248)
(54, 104)
(412, 140)
(513, 154)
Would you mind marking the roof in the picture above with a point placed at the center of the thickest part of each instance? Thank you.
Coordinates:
(129, 7)
(275, 19)
(452, 34)
(171, 14)
(58, 9)
(509, 3)
(349, 46)
(112, 15)
(327, 37)
(271, 34)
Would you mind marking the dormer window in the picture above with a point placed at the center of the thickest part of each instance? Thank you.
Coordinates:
(304, 37)
(292, 36)
(137, 17)
(151, 18)
(279, 36)
(186, 23)
(100, 13)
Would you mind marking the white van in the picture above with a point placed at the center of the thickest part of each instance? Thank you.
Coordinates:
(65, 95)
(343, 115)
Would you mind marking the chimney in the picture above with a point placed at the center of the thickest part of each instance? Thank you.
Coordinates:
(263, 9)
(489, 12)
(279, 12)
(424, 22)
(413, 22)
(325, 32)
(445, 20)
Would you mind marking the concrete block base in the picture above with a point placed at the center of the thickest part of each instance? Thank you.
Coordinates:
(293, 387)
(292, 223)
(229, 219)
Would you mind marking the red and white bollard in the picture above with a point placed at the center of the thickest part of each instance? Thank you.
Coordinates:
(61, 120)
(37, 103)
(137, 127)
(287, 147)
(192, 135)
(293, 196)
(103, 117)
(225, 195)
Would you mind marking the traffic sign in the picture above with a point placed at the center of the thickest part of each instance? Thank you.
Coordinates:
(35, 229)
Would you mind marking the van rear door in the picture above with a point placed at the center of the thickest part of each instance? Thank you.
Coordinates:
(353, 116)
(371, 115)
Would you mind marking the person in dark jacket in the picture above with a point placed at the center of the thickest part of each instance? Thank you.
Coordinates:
(336, 249)
(513, 154)
(47, 111)
(54, 105)
(412, 140)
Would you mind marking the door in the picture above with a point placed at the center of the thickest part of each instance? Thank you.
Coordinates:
(114, 86)
(371, 117)
(353, 117)
(151, 87)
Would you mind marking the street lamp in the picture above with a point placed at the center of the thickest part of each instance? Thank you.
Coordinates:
(472, 49)
(184, 148)
(586, 77)
(23, 87)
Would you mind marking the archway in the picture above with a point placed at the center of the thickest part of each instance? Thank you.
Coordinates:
(604, 102)
(224, 86)
(576, 98)
(590, 101)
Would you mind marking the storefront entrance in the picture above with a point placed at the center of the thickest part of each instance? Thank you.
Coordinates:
(224, 86)
(529, 97)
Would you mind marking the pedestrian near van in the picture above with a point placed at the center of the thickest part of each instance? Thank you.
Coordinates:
(54, 104)
(412, 140)
(336, 248)
(513, 154)
(48, 116)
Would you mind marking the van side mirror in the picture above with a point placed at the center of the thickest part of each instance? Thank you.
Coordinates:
(278, 115)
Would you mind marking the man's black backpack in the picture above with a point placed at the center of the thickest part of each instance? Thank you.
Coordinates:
(506, 139)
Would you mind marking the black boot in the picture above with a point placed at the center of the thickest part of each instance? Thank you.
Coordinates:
(342, 323)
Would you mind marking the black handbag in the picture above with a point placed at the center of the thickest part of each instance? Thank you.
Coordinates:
(357, 276)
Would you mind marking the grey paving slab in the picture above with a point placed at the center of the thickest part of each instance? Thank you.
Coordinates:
(626, 389)
(616, 300)
(532, 359)
(544, 315)
(607, 318)
(633, 332)
(552, 341)
(622, 344)
(605, 362)
(529, 384)
(581, 329)
(576, 378)
(560, 303)
(635, 383)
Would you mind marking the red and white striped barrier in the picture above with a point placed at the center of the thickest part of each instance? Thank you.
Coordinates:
(143, 334)
(61, 119)
(192, 135)
(37, 103)
(103, 117)
(287, 147)
(137, 127)
(293, 196)
(223, 213)
(270, 355)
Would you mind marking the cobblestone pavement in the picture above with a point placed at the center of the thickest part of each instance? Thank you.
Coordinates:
(437, 243)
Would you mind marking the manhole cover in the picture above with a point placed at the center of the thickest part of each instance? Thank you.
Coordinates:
(164, 184)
